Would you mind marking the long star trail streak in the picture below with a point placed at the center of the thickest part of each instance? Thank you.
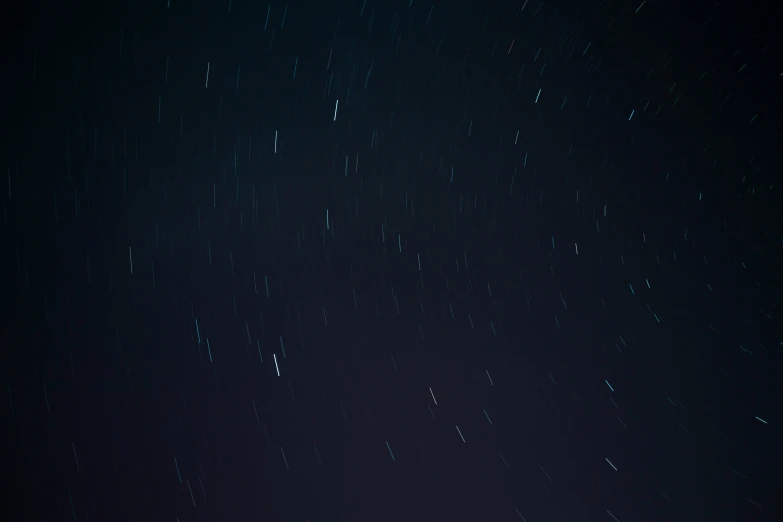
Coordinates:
(176, 464)
(474, 253)
(285, 460)
(390, 451)
(192, 498)
(266, 21)
(73, 511)
(76, 458)
(317, 455)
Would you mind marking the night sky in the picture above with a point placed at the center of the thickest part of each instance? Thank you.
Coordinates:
(391, 260)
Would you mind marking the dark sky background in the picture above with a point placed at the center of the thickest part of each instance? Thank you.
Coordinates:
(391, 260)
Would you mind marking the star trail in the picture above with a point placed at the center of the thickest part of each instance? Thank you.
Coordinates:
(391, 260)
